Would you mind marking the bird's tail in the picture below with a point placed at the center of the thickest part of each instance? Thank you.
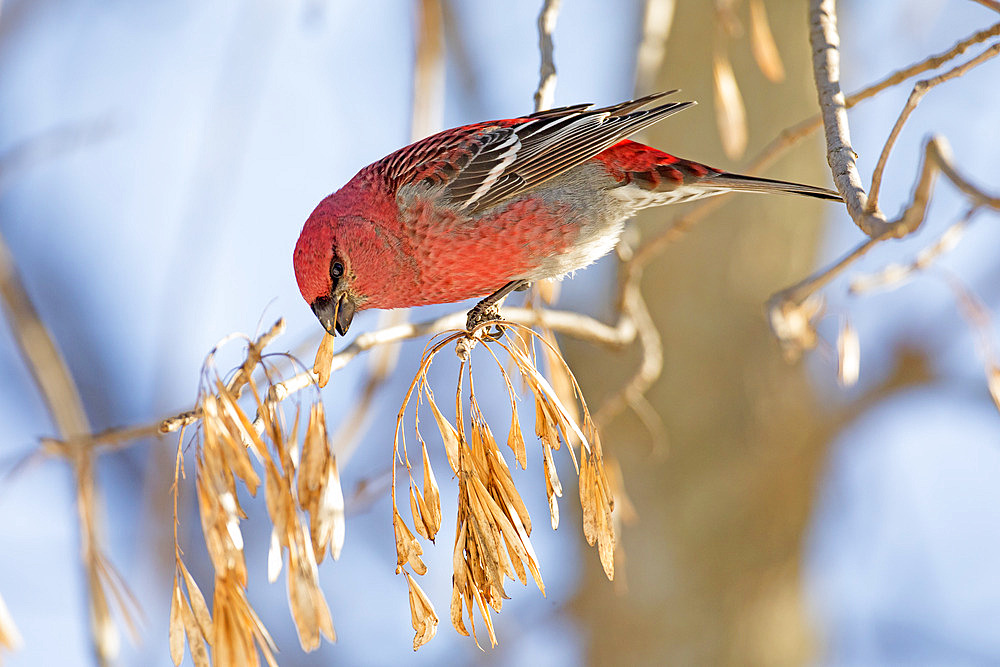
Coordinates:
(728, 181)
(656, 178)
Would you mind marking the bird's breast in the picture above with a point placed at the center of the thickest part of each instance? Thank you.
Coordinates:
(458, 256)
(554, 229)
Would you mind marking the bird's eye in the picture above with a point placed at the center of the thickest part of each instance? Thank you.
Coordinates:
(336, 270)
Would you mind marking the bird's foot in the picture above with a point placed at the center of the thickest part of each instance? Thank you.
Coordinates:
(482, 313)
(487, 310)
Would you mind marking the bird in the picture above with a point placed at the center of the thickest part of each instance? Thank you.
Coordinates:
(484, 209)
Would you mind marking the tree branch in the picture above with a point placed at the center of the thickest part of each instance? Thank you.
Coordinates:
(920, 88)
(840, 154)
(40, 352)
(795, 133)
(989, 4)
(791, 310)
(62, 397)
(547, 71)
(657, 20)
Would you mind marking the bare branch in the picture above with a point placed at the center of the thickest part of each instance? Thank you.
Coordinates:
(973, 192)
(40, 352)
(62, 398)
(989, 4)
(575, 324)
(894, 275)
(427, 118)
(920, 88)
(826, 69)
(657, 20)
(547, 72)
(568, 322)
(840, 154)
(795, 133)
(789, 303)
(428, 71)
(636, 312)
(112, 438)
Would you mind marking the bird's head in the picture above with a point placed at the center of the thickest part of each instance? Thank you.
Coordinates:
(335, 262)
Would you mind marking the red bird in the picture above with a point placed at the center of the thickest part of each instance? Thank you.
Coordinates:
(485, 209)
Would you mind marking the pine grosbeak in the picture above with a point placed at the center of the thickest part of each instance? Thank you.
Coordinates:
(490, 207)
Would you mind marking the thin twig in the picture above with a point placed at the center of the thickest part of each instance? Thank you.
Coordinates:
(636, 312)
(235, 385)
(547, 71)
(795, 133)
(894, 275)
(788, 303)
(40, 352)
(840, 154)
(575, 324)
(62, 397)
(826, 70)
(657, 20)
(973, 192)
(792, 135)
(920, 88)
(108, 439)
(632, 268)
(989, 4)
(428, 71)
(427, 118)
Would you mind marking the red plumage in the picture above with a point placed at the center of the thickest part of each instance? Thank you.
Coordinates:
(463, 212)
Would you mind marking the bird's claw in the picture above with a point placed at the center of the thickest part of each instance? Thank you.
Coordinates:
(479, 316)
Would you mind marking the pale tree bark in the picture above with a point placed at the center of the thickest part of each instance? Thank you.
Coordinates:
(712, 565)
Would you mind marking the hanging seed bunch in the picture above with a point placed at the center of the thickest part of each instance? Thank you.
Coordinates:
(492, 524)
(304, 501)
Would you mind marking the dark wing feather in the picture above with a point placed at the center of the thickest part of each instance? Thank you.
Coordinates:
(546, 145)
(481, 165)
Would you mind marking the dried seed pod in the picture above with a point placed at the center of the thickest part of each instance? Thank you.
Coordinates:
(448, 432)
(765, 51)
(730, 114)
(848, 355)
(432, 498)
(408, 550)
(323, 365)
(308, 604)
(422, 614)
(176, 635)
(200, 609)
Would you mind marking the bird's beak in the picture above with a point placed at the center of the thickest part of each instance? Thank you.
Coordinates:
(335, 312)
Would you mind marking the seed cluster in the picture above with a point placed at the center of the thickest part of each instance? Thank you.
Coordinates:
(304, 501)
(492, 523)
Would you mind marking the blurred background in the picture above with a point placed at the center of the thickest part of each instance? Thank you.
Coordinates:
(157, 161)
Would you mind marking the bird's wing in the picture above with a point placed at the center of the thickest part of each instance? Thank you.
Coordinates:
(481, 165)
